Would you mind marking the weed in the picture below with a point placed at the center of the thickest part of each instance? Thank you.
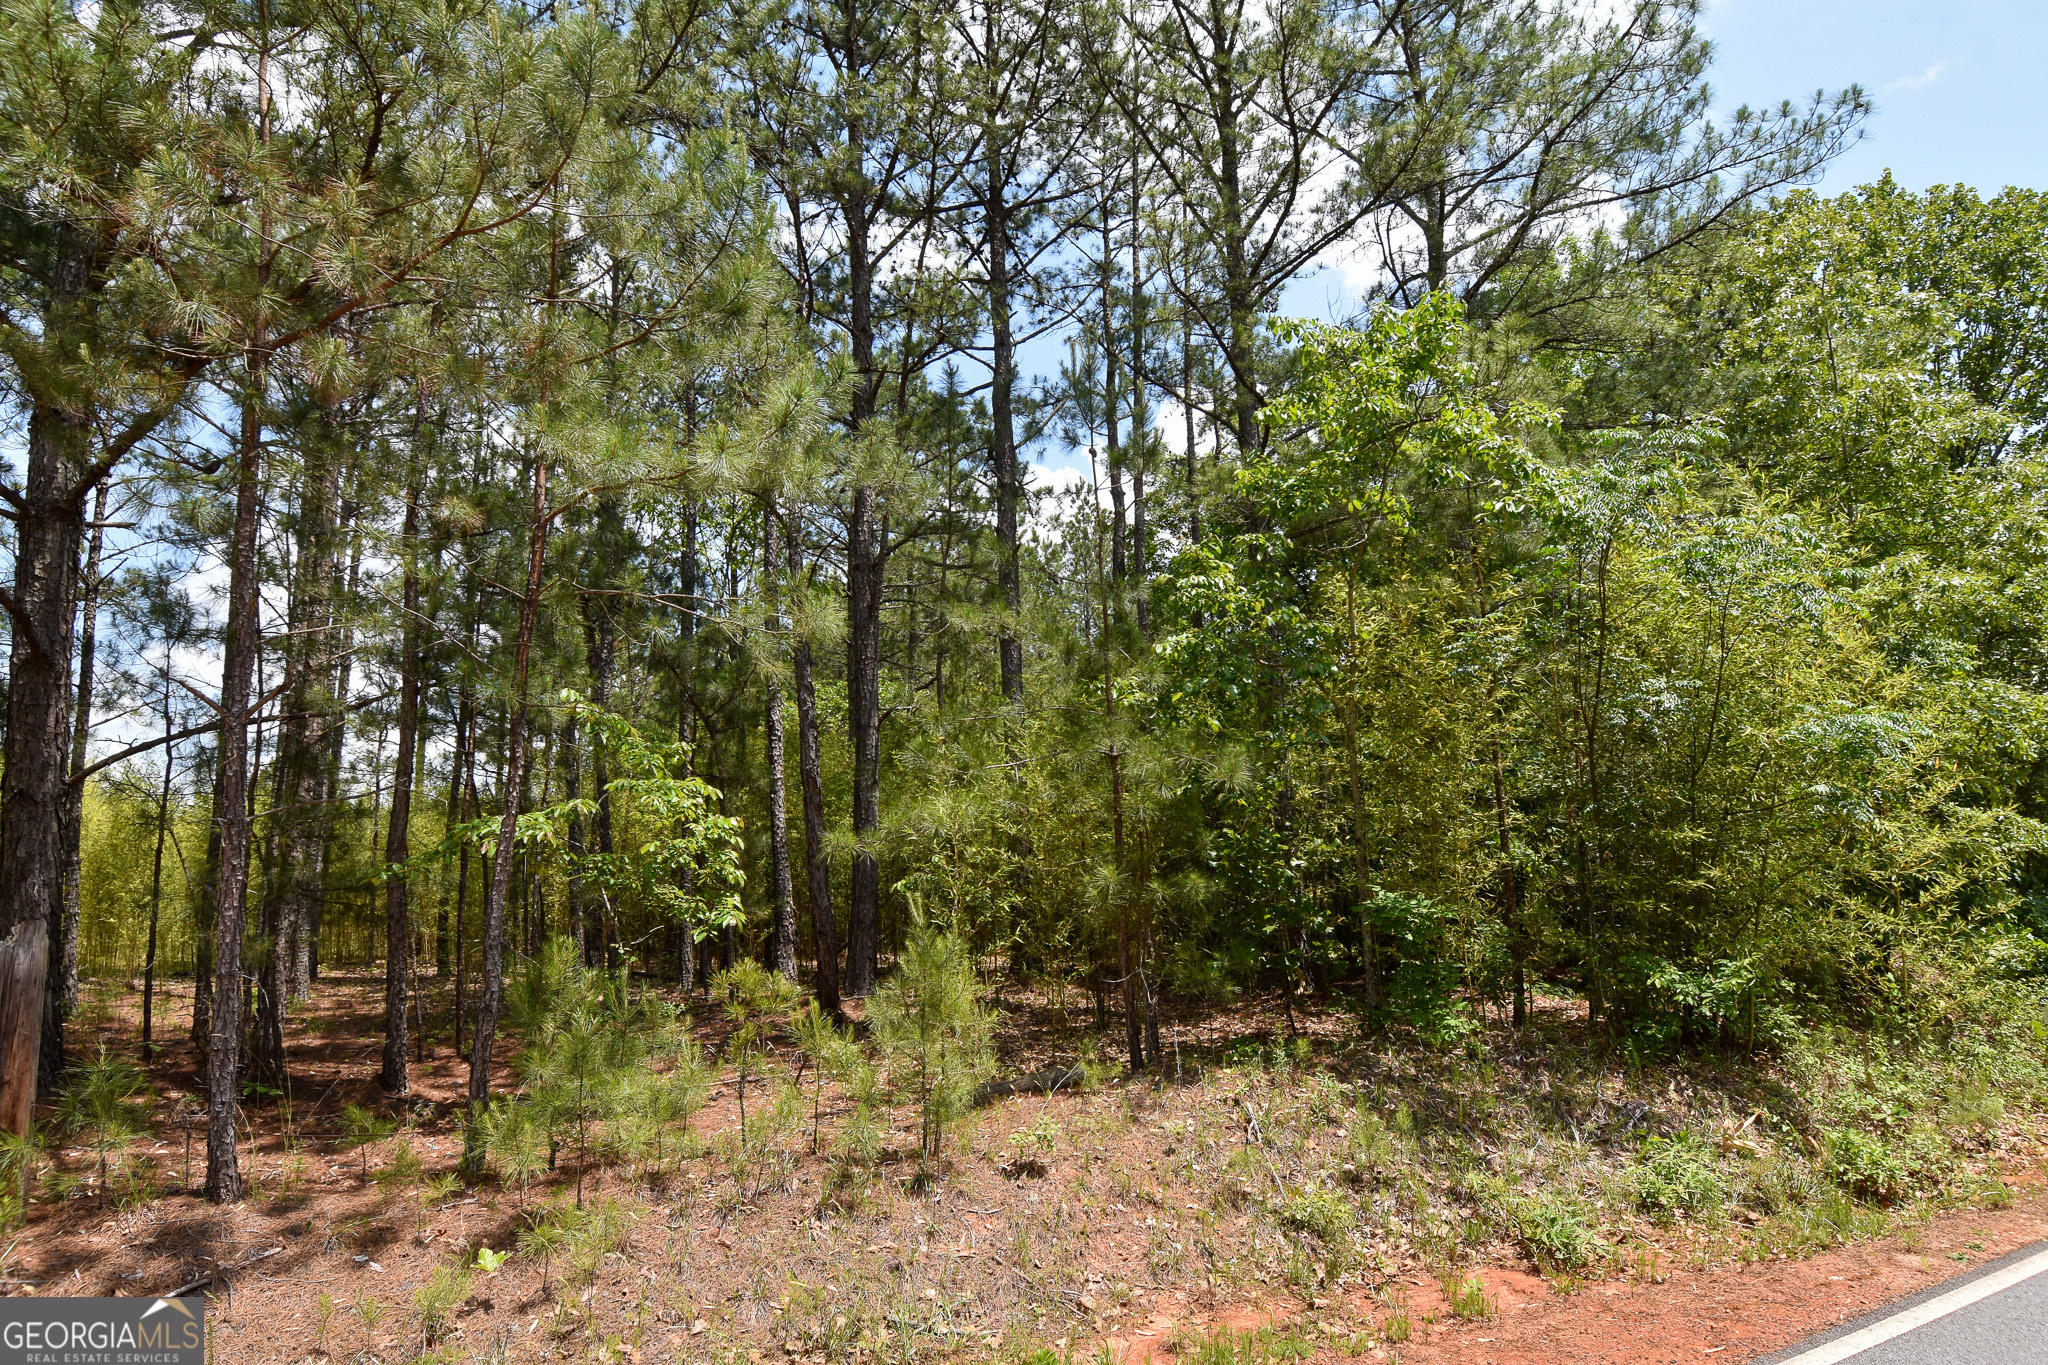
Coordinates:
(1676, 1176)
(1467, 1297)
(1881, 1171)
(1556, 1232)
(436, 1190)
(1253, 1346)
(1400, 1327)
(1320, 1211)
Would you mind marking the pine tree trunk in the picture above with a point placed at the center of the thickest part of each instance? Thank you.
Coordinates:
(299, 819)
(60, 996)
(49, 529)
(864, 704)
(601, 646)
(461, 807)
(490, 991)
(231, 802)
(778, 796)
(864, 620)
(1003, 434)
(810, 771)
(398, 843)
(156, 880)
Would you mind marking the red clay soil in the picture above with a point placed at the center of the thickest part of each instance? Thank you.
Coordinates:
(1731, 1314)
(992, 1267)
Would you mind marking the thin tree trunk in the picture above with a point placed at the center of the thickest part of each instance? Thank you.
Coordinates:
(864, 698)
(1112, 385)
(306, 962)
(490, 991)
(156, 874)
(60, 996)
(817, 866)
(462, 801)
(1003, 431)
(864, 620)
(1187, 391)
(580, 928)
(230, 802)
(398, 844)
(1141, 420)
(299, 819)
(778, 808)
(601, 645)
(686, 700)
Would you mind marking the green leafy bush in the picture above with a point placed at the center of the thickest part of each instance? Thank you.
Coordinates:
(1867, 1166)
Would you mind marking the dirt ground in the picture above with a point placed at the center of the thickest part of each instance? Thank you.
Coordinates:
(1135, 1230)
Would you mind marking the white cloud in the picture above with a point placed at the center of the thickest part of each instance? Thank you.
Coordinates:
(1919, 82)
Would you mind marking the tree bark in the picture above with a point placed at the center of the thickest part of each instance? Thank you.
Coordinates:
(462, 807)
(1003, 430)
(299, 817)
(60, 996)
(864, 704)
(231, 801)
(490, 991)
(778, 803)
(156, 876)
(817, 866)
(398, 843)
(601, 649)
(49, 529)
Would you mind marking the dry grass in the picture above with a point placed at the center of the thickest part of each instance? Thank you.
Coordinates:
(1322, 1174)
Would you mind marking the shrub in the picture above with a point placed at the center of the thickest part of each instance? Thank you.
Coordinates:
(1866, 1166)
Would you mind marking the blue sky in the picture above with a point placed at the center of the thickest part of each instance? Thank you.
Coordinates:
(1959, 89)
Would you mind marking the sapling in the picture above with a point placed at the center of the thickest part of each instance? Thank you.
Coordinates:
(757, 1001)
(514, 1142)
(18, 1156)
(934, 1032)
(368, 1311)
(98, 1107)
(826, 1046)
(436, 1301)
(324, 1315)
(543, 1236)
(360, 1127)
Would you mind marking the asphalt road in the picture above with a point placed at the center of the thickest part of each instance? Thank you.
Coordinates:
(1995, 1315)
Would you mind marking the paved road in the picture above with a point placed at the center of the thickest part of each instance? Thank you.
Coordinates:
(1996, 1315)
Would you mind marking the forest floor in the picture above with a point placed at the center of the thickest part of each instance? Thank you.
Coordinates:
(1515, 1197)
